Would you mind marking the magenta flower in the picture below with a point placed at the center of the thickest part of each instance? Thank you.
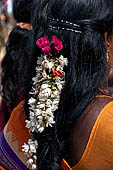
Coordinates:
(57, 44)
(46, 50)
(44, 44)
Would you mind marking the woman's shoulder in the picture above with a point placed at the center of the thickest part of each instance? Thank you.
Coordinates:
(95, 118)
(104, 104)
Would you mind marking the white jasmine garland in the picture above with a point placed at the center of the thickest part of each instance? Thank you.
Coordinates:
(44, 101)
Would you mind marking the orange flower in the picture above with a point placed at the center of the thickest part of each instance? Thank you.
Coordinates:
(57, 73)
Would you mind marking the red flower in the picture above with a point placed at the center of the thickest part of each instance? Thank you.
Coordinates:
(57, 73)
(57, 43)
(44, 44)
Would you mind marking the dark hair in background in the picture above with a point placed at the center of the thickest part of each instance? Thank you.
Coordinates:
(22, 10)
(17, 55)
(86, 72)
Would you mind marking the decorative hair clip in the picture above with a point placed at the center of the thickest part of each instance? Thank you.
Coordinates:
(62, 28)
(63, 21)
(24, 26)
(45, 92)
(60, 24)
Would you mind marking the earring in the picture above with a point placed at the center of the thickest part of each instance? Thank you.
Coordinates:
(108, 52)
(107, 56)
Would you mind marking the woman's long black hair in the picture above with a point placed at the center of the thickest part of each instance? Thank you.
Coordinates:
(87, 68)
(17, 55)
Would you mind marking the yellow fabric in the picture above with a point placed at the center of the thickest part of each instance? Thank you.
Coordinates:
(65, 166)
(98, 154)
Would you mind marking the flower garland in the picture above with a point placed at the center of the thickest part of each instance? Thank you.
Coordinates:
(45, 93)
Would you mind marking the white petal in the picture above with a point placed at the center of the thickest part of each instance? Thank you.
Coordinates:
(42, 106)
(44, 86)
(41, 129)
(34, 166)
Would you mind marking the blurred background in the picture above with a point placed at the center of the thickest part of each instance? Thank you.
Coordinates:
(7, 23)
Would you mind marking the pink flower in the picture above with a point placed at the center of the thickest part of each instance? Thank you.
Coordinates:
(44, 44)
(57, 43)
(46, 50)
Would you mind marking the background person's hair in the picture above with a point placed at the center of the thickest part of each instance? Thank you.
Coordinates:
(22, 10)
(17, 55)
(86, 72)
